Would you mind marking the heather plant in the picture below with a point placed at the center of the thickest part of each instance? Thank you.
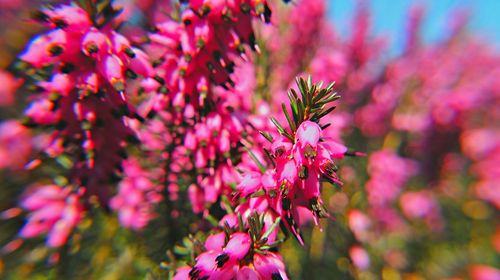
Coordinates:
(244, 139)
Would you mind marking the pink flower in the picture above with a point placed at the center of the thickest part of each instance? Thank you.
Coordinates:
(359, 257)
(182, 273)
(15, 145)
(8, 88)
(270, 266)
(295, 181)
(238, 245)
(236, 259)
(484, 272)
(360, 224)
(215, 241)
(308, 133)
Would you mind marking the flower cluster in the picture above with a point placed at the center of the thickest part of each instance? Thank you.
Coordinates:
(156, 116)
(237, 253)
(194, 92)
(79, 69)
(302, 159)
(200, 51)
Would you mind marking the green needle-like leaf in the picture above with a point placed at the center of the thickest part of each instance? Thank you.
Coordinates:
(267, 135)
(261, 166)
(271, 229)
(281, 130)
(322, 114)
(309, 83)
(290, 122)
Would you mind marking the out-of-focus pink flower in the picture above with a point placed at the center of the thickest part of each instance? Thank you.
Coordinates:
(422, 205)
(360, 224)
(137, 196)
(389, 172)
(359, 257)
(387, 219)
(11, 4)
(417, 204)
(15, 145)
(479, 143)
(8, 88)
(52, 210)
(484, 272)
(496, 240)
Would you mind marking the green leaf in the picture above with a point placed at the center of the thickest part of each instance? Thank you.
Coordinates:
(322, 93)
(291, 123)
(180, 250)
(270, 157)
(281, 130)
(330, 98)
(323, 127)
(293, 105)
(255, 227)
(267, 135)
(301, 112)
(278, 125)
(261, 166)
(322, 114)
(228, 207)
(241, 225)
(271, 245)
(319, 84)
(212, 220)
(64, 161)
(271, 229)
(329, 88)
(302, 88)
(261, 192)
(61, 181)
(309, 83)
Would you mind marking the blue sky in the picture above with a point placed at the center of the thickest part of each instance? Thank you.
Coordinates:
(389, 17)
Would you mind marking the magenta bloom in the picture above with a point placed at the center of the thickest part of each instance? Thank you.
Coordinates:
(15, 145)
(8, 88)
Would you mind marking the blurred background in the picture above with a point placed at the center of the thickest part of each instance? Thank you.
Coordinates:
(420, 91)
(389, 18)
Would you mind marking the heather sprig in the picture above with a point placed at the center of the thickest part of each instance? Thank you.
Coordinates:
(300, 156)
